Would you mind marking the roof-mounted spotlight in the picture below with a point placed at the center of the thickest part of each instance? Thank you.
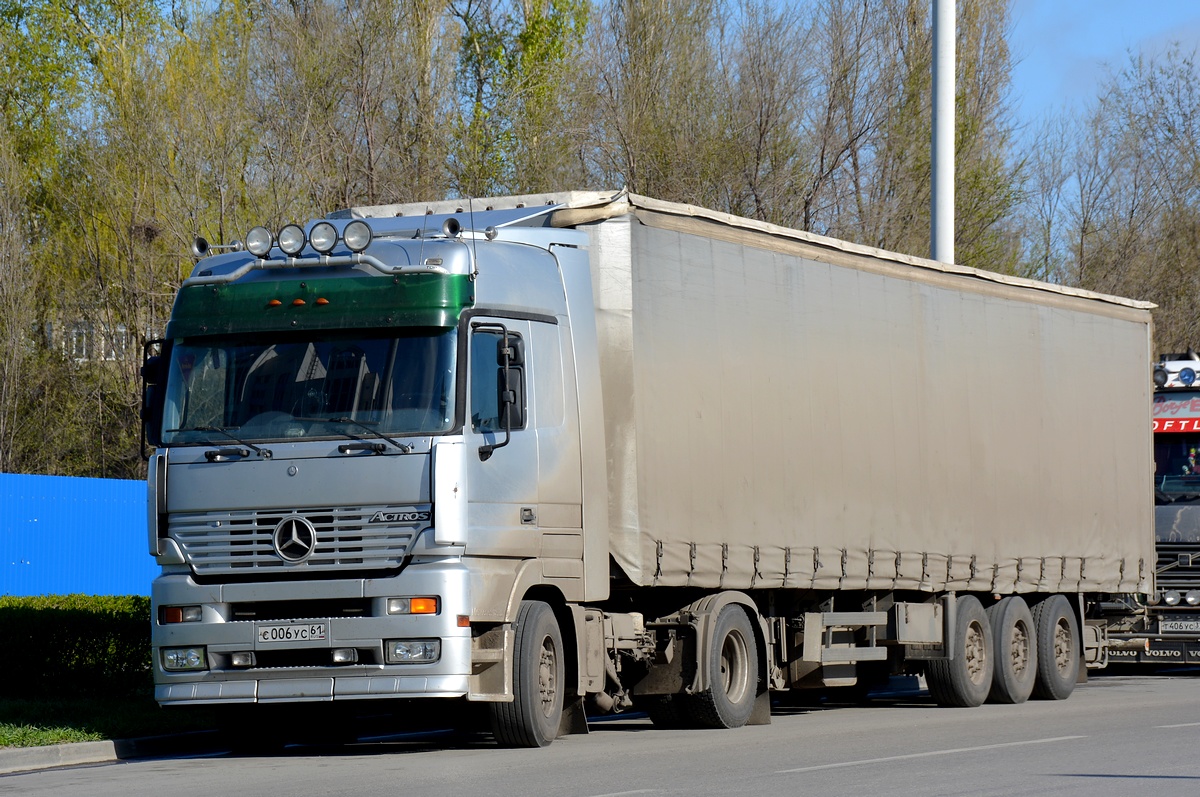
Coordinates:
(357, 235)
(291, 240)
(323, 237)
(259, 241)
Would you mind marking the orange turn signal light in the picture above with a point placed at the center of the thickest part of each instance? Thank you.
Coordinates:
(424, 606)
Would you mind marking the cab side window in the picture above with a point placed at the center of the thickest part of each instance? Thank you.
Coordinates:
(487, 382)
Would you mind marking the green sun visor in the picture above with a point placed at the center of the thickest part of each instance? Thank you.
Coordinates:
(321, 303)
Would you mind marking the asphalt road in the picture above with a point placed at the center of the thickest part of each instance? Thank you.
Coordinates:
(1114, 736)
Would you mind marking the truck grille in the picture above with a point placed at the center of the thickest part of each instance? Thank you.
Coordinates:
(240, 542)
(1178, 566)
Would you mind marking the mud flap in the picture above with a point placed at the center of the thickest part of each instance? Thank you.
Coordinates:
(761, 714)
(574, 718)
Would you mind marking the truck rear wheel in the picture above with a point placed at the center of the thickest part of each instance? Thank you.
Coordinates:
(533, 718)
(1058, 649)
(965, 680)
(728, 701)
(1014, 639)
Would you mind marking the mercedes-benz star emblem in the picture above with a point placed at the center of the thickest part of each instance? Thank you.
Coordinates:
(294, 538)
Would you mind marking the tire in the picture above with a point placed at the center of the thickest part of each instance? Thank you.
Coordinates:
(666, 711)
(1058, 645)
(533, 717)
(965, 680)
(1014, 640)
(728, 700)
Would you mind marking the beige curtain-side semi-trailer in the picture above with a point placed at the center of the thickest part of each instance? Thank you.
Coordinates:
(785, 410)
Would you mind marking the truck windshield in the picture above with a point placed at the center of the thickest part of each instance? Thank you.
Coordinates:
(1177, 465)
(334, 385)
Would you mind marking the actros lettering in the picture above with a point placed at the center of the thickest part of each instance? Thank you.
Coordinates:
(398, 517)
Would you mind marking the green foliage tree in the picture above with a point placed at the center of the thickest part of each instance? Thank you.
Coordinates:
(130, 126)
(1122, 213)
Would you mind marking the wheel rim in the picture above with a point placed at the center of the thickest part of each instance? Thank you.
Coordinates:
(975, 654)
(1019, 648)
(548, 676)
(1062, 646)
(734, 674)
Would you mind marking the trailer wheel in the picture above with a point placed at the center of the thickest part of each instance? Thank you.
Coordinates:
(533, 717)
(1014, 639)
(1058, 649)
(965, 680)
(728, 701)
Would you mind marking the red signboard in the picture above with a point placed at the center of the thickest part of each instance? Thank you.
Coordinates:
(1177, 412)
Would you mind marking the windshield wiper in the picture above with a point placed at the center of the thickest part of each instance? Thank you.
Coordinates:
(213, 456)
(365, 445)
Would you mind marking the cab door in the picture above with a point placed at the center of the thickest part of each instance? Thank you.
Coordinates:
(502, 451)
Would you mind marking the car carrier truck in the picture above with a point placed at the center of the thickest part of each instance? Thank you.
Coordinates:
(1163, 627)
(594, 452)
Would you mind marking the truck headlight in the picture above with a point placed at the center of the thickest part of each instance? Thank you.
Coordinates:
(412, 651)
(176, 659)
(1192, 598)
(1172, 598)
(412, 605)
(181, 614)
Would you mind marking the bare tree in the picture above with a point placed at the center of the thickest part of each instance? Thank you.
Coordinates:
(17, 308)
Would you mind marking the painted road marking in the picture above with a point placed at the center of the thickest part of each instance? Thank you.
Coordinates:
(929, 754)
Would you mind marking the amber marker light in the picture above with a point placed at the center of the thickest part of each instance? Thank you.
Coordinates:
(274, 303)
(424, 606)
(322, 301)
(298, 302)
(464, 621)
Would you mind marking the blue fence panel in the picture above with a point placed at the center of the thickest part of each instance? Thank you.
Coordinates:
(61, 535)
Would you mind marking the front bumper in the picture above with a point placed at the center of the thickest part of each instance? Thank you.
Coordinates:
(300, 671)
(1155, 650)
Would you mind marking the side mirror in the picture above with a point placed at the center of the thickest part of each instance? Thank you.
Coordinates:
(511, 355)
(154, 392)
(511, 400)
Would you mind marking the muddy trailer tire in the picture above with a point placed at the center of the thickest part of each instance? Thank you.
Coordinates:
(965, 680)
(1059, 648)
(1014, 640)
(533, 717)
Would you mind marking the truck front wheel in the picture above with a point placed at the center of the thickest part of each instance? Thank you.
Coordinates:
(966, 679)
(1058, 648)
(533, 718)
(728, 701)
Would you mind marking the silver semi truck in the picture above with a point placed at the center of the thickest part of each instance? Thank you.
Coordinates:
(1163, 627)
(592, 452)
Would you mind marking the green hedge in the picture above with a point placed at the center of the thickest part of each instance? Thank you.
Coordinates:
(75, 645)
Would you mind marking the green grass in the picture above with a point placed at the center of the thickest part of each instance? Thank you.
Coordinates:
(38, 722)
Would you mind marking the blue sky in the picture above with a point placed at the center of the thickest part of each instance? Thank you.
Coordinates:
(1062, 46)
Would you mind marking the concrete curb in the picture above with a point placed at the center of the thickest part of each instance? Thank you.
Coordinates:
(27, 759)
